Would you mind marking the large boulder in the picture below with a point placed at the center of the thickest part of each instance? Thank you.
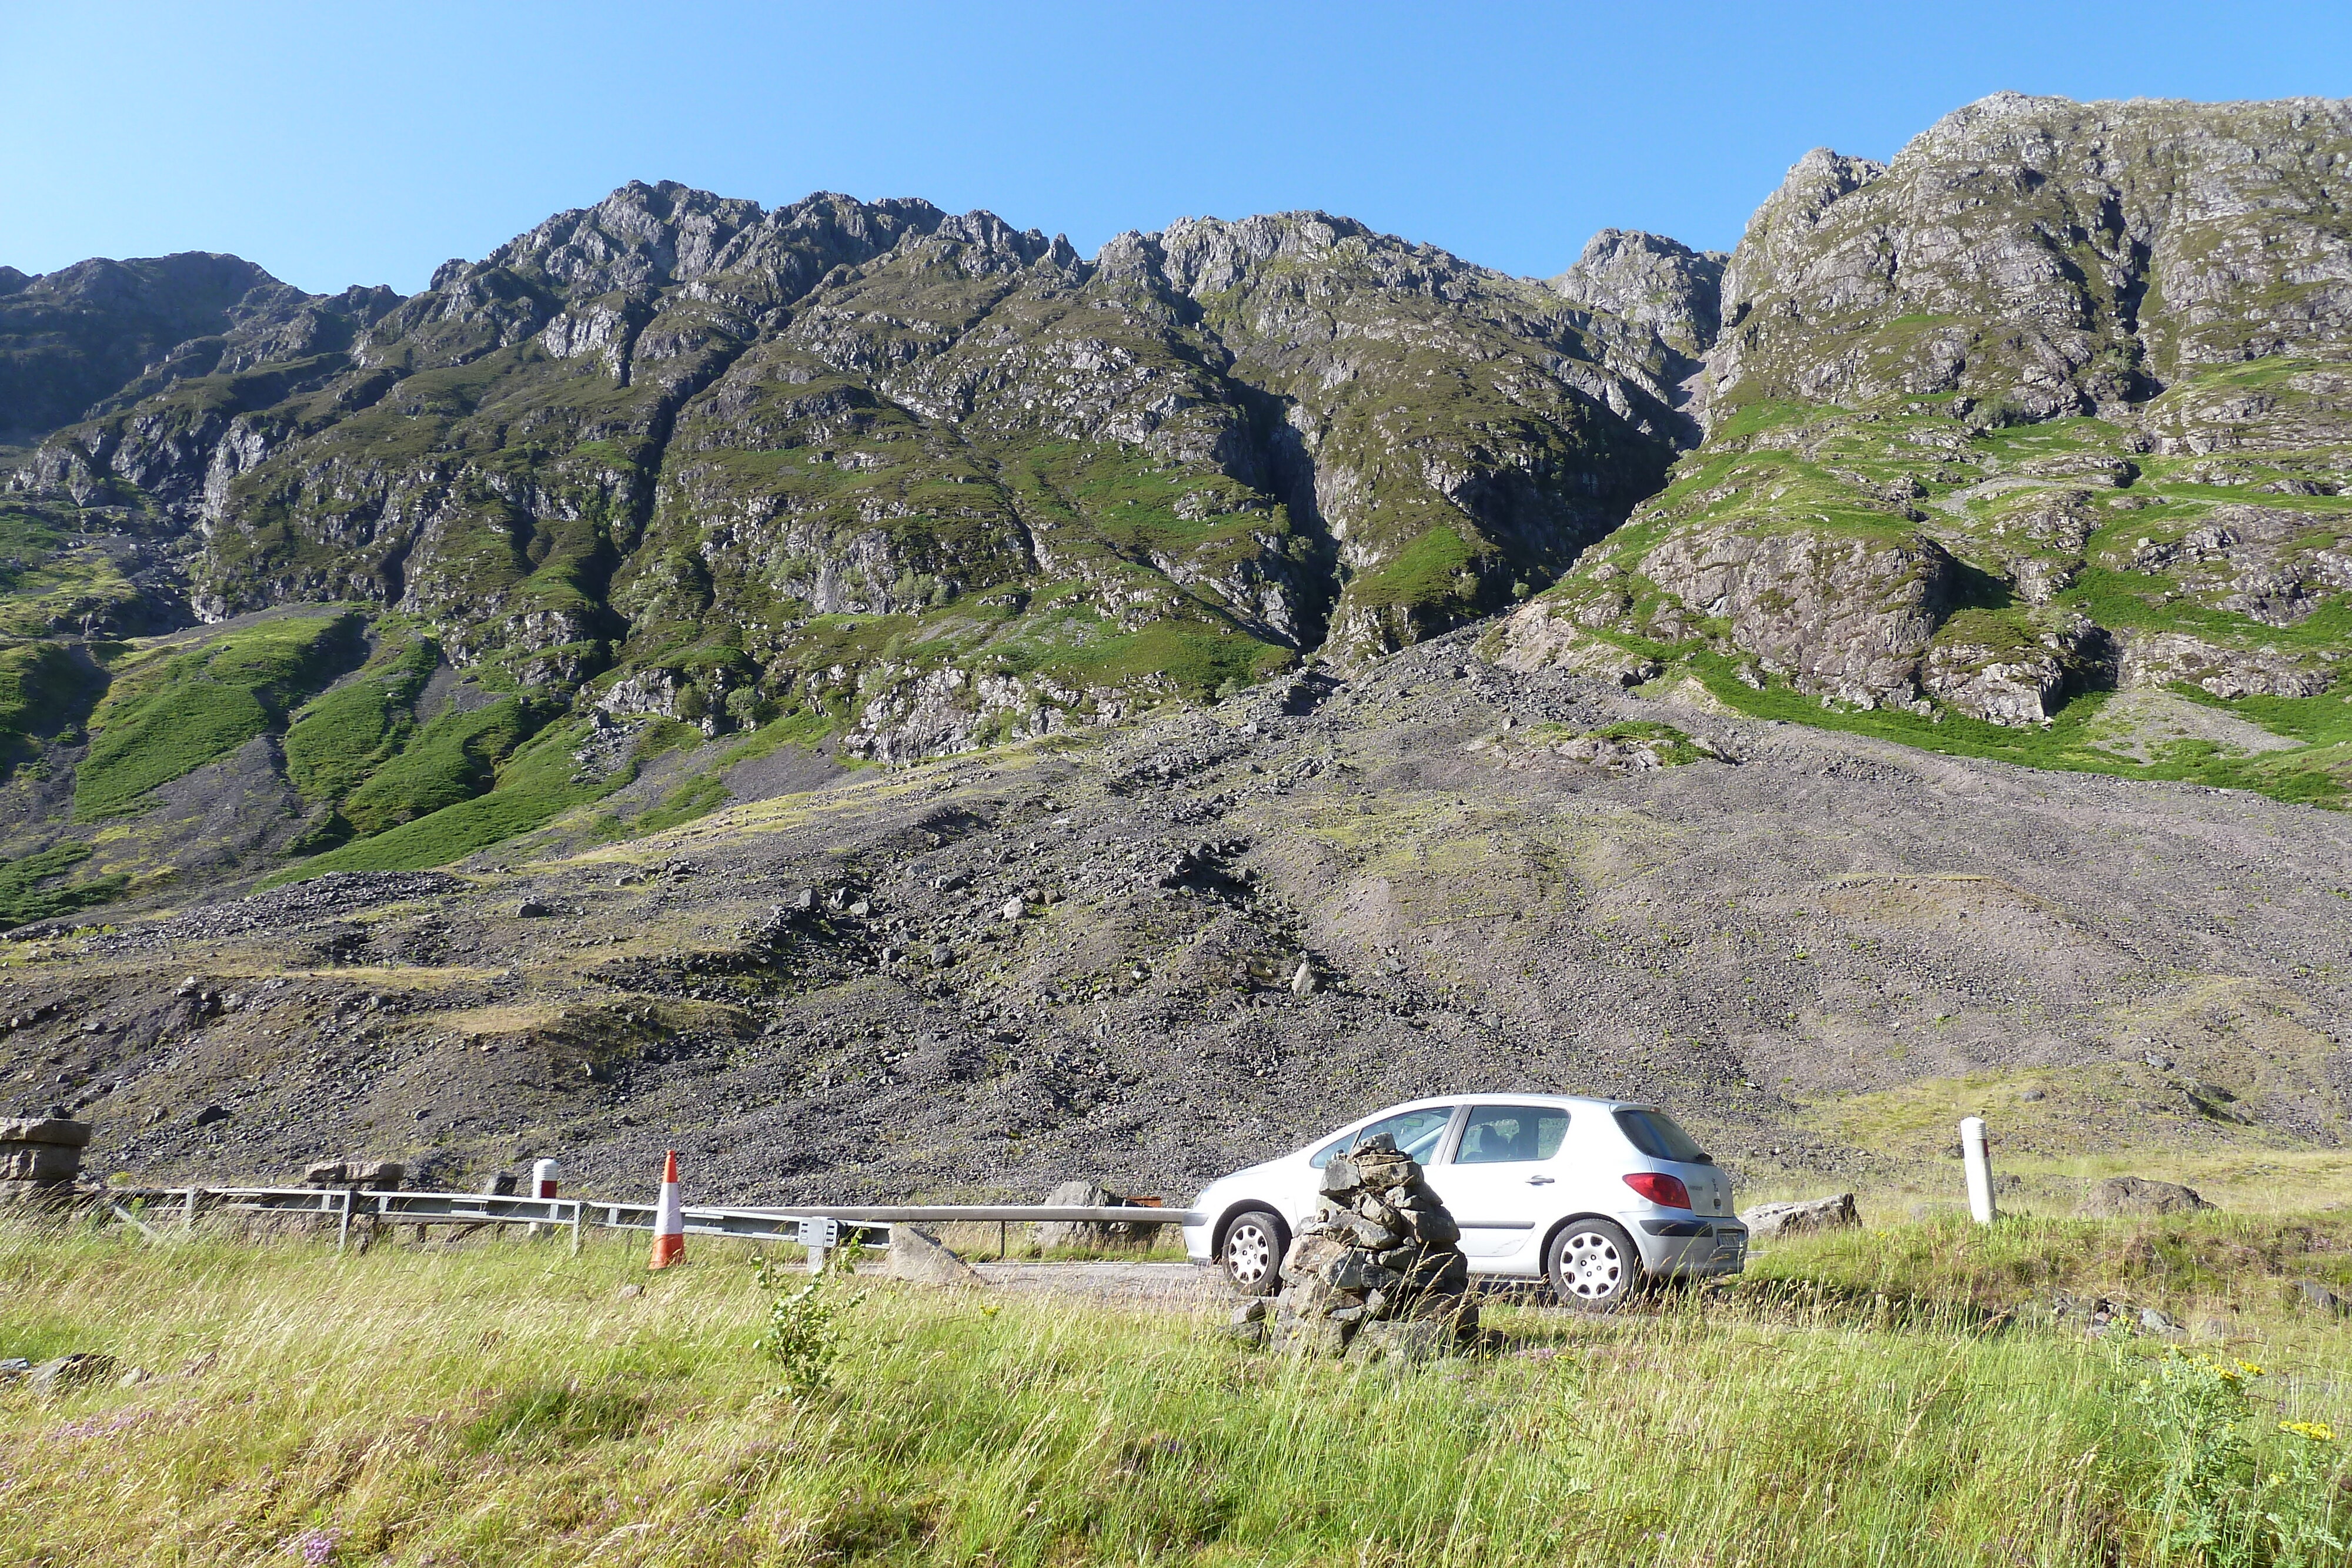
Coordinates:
(919, 1256)
(2119, 1196)
(1087, 1235)
(56, 1132)
(40, 1155)
(370, 1175)
(1771, 1221)
(38, 1163)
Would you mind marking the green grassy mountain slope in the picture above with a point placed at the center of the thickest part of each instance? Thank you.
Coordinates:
(900, 481)
(2031, 443)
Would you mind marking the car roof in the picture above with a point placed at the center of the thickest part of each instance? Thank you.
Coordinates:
(1498, 1097)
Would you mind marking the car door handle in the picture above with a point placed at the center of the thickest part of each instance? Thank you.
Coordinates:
(1538, 1181)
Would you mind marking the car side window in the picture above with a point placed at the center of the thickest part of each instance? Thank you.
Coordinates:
(1497, 1134)
(1415, 1132)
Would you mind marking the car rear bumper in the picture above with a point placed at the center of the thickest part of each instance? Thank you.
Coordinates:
(1692, 1248)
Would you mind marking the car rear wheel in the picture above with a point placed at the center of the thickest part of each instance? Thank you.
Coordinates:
(1252, 1254)
(1593, 1265)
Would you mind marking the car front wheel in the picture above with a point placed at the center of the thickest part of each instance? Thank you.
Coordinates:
(1593, 1265)
(1252, 1254)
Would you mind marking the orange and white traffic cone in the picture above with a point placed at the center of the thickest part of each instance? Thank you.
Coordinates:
(670, 1220)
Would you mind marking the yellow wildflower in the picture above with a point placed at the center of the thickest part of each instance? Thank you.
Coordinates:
(2317, 1431)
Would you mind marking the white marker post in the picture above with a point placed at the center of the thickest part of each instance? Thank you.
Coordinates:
(818, 1235)
(543, 1176)
(1972, 1151)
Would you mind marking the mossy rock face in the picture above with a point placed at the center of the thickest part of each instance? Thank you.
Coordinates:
(2040, 258)
(942, 474)
(2011, 422)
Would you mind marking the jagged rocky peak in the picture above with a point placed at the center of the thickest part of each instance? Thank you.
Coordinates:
(2047, 257)
(2054, 402)
(1660, 283)
(1206, 255)
(691, 433)
(641, 238)
(71, 337)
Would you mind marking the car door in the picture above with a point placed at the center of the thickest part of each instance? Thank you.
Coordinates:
(1420, 1131)
(1500, 1180)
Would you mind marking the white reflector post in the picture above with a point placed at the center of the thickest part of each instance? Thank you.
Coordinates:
(818, 1235)
(1972, 1152)
(545, 1174)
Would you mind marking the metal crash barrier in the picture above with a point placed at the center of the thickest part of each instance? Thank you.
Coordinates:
(869, 1224)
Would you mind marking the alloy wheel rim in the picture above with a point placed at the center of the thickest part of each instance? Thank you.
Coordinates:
(1247, 1252)
(1593, 1268)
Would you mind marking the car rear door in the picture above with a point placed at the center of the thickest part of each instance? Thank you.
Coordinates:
(1500, 1180)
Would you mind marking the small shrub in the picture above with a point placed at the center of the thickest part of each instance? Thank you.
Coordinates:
(804, 1327)
(2213, 1503)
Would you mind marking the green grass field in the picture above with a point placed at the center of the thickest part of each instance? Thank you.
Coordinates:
(1869, 1399)
(170, 711)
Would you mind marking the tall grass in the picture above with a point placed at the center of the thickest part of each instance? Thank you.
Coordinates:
(509, 1404)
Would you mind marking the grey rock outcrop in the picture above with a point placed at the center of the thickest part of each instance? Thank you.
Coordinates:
(365, 1175)
(41, 1157)
(2129, 1195)
(1076, 1233)
(1653, 281)
(2051, 257)
(1774, 1222)
(918, 1257)
(1867, 521)
(2321, 1299)
(1091, 1234)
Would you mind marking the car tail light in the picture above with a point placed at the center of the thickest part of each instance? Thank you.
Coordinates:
(1665, 1191)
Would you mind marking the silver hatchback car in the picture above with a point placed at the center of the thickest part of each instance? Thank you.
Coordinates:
(1597, 1197)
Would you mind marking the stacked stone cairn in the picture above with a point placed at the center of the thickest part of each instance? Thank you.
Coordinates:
(1378, 1275)
(41, 1157)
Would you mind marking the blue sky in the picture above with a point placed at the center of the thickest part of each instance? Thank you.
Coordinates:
(364, 144)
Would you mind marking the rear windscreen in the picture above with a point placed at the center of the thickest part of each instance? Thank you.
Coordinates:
(1657, 1135)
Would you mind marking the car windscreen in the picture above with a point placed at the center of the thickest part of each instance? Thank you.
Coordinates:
(1415, 1132)
(1657, 1135)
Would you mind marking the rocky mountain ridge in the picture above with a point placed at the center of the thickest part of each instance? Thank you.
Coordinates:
(909, 480)
(2046, 413)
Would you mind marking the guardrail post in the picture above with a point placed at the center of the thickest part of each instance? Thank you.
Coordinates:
(188, 1215)
(1979, 1166)
(578, 1209)
(343, 1231)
